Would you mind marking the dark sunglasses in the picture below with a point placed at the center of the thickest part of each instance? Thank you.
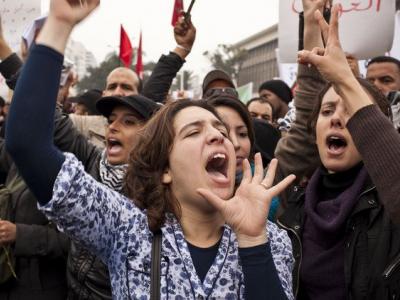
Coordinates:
(221, 91)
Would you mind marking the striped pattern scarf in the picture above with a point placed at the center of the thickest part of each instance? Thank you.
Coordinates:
(112, 175)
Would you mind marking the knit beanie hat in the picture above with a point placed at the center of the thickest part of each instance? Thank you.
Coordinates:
(279, 88)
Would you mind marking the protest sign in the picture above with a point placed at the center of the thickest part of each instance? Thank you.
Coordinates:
(395, 51)
(366, 27)
(16, 16)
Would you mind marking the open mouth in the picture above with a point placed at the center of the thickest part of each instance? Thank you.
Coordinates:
(217, 166)
(114, 146)
(336, 143)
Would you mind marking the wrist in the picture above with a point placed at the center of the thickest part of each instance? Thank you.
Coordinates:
(246, 241)
(182, 51)
(55, 34)
(185, 48)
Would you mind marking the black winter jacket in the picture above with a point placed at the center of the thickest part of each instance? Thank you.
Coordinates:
(372, 248)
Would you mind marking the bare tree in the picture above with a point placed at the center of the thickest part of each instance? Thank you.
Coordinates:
(227, 58)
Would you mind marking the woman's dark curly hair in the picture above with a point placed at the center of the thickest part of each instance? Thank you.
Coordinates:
(377, 97)
(149, 160)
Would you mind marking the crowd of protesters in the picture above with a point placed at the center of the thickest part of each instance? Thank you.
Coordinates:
(130, 195)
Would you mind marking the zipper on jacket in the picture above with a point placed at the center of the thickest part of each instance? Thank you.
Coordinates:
(391, 268)
(301, 254)
(367, 191)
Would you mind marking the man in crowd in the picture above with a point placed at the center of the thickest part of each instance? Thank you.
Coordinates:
(384, 73)
(261, 108)
(278, 94)
(122, 82)
(217, 82)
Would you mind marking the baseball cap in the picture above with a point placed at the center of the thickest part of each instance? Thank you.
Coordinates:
(140, 104)
(88, 99)
(216, 75)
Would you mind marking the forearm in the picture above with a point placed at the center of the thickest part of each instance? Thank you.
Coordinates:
(297, 152)
(355, 97)
(379, 145)
(159, 83)
(260, 275)
(31, 117)
(312, 32)
(55, 34)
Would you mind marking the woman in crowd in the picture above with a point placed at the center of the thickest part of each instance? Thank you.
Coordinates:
(237, 118)
(345, 245)
(181, 168)
(241, 132)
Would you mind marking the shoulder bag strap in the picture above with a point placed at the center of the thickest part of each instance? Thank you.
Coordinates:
(156, 266)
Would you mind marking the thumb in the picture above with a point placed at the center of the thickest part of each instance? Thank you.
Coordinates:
(309, 57)
(213, 199)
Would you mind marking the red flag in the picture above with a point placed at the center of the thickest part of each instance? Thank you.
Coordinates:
(178, 11)
(139, 62)
(125, 49)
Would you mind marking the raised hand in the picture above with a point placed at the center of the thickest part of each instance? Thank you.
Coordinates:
(247, 211)
(63, 16)
(312, 32)
(331, 62)
(311, 6)
(185, 35)
(72, 11)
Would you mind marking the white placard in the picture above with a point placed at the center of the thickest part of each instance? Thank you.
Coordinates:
(366, 27)
(395, 51)
(16, 15)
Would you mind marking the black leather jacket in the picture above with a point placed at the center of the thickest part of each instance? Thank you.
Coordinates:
(372, 248)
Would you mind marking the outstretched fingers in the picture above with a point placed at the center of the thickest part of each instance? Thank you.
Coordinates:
(334, 24)
(281, 186)
(270, 176)
(247, 176)
(324, 26)
(258, 169)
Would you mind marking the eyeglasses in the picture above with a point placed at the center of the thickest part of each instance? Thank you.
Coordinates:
(220, 92)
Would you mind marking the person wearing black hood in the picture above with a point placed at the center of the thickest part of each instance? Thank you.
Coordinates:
(266, 139)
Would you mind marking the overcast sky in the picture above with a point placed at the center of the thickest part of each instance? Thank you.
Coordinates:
(217, 22)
